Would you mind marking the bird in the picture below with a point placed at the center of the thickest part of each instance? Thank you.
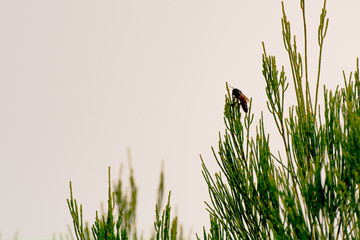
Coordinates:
(240, 97)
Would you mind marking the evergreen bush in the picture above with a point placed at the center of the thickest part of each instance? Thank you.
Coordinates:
(307, 190)
(312, 190)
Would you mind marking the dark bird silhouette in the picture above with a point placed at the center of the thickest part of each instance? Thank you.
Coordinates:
(240, 97)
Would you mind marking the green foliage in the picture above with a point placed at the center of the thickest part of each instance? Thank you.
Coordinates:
(103, 227)
(163, 229)
(312, 190)
(309, 189)
(216, 231)
(127, 204)
(123, 226)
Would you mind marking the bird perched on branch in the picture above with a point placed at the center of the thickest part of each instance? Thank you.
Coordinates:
(241, 98)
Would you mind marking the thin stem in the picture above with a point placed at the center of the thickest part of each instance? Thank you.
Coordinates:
(321, 35)
(308, 105)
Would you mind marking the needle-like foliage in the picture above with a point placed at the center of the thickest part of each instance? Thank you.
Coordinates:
(122, 226)
(305, 188)
(126, 203)
(104, 227)
(309, 187)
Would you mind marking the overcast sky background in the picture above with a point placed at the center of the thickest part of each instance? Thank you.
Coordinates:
(81, 81)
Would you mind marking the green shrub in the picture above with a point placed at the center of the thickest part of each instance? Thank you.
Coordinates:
(309, 191)
(312, 190)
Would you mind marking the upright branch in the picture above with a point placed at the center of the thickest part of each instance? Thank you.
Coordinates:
(308, 97)
(314, 192)
(125, 202)
(276, 87)
(295, 60)
(322, 30)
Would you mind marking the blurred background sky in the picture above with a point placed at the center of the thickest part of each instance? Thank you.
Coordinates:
(81, 81)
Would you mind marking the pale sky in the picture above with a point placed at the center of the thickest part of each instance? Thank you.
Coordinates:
(82, 80)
